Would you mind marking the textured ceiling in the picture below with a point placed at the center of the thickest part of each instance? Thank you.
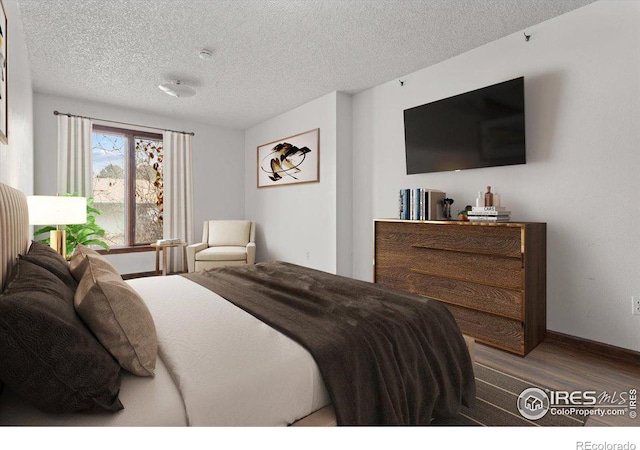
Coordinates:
(269, 56)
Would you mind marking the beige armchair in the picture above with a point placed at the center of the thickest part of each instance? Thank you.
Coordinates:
(224, 243)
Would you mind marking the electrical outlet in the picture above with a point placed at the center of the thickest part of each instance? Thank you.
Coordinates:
(635, 301)
(308, 255)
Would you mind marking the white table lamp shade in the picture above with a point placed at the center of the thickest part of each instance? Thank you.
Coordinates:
(56, 210)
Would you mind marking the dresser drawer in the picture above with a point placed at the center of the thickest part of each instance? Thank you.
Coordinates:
(499, 301)
(497, 331)
(488, 239)
(483, 269)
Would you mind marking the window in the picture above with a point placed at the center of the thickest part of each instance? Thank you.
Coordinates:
(127, 185)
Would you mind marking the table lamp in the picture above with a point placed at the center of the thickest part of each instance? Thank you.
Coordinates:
(57, 210)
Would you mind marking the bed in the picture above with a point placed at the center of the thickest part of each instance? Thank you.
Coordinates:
(223, 361)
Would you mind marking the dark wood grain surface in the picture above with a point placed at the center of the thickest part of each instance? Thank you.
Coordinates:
(489, 270)
(502, 302)
(491, 276)
(503, 241)
(568, 365)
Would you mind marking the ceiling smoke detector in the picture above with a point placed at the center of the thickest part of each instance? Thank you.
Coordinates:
(178, 89)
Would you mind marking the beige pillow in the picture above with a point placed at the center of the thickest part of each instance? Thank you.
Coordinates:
(118, 317)
(78, 263)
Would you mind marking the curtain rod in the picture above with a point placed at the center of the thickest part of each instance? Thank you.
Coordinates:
(58, 113)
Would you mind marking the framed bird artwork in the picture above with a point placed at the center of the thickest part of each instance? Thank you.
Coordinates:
(291, 160)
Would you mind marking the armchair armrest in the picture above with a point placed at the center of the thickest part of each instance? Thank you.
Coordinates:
(191, 255)
(251, 253)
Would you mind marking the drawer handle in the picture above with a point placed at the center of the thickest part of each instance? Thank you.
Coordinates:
(471, 252)
(483, 283)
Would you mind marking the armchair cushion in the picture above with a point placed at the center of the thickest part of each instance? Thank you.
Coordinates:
(226, 253)
(229, 233)
(191, 254)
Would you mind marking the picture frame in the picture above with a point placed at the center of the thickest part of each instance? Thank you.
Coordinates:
(291, 160)
(4, 89)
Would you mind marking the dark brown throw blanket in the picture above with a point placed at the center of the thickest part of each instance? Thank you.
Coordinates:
(386, 357)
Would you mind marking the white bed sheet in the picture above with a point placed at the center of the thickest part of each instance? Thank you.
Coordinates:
(217, 366)
(230, 368)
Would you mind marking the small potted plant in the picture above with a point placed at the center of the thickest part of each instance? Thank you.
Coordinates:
(462, 215)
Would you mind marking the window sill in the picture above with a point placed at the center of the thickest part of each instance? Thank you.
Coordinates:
(122, 250)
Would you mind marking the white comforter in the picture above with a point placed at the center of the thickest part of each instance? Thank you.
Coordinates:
(228, 367)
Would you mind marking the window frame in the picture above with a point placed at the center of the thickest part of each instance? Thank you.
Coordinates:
(130, 188)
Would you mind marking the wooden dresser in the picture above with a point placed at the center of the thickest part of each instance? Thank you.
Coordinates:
(491, 276)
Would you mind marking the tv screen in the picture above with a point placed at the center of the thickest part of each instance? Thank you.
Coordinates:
(481, 128)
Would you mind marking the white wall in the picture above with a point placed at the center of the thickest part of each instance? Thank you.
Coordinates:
(582, 92)
(299, 223)
(218, 163)
(16, 158)
(344, 185)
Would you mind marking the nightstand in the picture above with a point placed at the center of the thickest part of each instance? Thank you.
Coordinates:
(163, 248)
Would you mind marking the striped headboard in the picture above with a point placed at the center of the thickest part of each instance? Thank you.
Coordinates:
(14, 229)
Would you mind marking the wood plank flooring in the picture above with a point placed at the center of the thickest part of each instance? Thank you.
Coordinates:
(561, 367)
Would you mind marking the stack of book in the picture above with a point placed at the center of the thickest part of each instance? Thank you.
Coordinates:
(489, 214)
(168, 241)
(420, 204)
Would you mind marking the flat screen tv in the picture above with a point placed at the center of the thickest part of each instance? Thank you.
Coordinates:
(481, 128)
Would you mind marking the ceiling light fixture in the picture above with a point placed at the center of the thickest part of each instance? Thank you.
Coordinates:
(205, 54)
(178, 89)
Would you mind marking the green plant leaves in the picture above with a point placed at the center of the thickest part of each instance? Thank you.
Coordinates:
(85, 233)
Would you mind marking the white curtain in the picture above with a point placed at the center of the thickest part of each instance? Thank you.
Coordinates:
(74, 156)
(178, 194)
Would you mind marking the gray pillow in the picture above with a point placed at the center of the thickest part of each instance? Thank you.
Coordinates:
(46, 257)
(78, 263)
(47, 354)
(118, 317)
